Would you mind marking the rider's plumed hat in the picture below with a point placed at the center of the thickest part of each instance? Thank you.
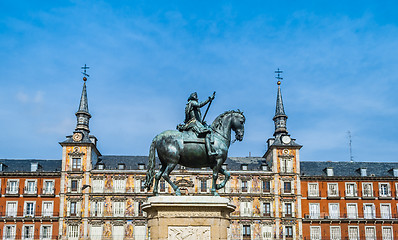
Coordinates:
(193, 96)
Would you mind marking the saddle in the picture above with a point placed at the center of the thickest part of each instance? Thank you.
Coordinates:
(190, 137)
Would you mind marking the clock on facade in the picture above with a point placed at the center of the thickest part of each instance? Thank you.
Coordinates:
(286, 139)
(77, 137)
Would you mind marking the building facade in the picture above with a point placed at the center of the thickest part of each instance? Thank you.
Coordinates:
(87, 195)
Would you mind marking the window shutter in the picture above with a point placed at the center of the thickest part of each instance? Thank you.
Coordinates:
(68, 209)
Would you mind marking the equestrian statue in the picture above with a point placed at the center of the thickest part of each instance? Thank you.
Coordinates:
(195, 144)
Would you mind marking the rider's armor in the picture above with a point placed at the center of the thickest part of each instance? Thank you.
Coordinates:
(193, 120)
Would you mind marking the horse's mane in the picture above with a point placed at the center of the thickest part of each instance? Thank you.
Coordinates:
(217, 122)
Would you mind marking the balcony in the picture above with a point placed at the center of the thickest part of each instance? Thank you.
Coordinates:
(48, 192)
(25, 216)
(313, 195)
(351, 194)
(72, 190)
(368, 195)
(351, 217)
(333, 195)
(385, 195)
(30, 192)
(12, 192)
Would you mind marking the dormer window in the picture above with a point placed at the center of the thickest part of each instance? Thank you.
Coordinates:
(141, 166)
(363, 172)
(264, 167)
(329, 172)
(33, 166)
(244, 167)
(101, 166)
(395, 172)
(121, 166)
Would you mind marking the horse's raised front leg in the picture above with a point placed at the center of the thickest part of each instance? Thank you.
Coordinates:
(166, 176)
(227, 176)
(157, 178)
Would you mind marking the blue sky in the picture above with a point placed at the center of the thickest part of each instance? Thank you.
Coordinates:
(339, 60)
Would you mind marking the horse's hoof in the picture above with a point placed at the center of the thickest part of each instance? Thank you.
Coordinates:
(178, 193)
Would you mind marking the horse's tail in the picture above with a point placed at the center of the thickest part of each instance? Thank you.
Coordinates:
(151, 166)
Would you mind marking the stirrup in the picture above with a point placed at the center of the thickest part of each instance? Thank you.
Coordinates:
(212, 154)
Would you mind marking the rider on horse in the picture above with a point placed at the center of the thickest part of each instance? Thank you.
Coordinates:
(194, 122)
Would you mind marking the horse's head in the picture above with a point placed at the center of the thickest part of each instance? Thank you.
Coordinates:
(238, 124)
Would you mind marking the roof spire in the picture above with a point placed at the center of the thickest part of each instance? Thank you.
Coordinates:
(280, 116)
(82, 114)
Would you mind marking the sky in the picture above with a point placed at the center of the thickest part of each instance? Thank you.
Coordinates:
(339, 61)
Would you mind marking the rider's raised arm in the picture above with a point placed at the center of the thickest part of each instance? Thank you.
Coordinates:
(204, 102)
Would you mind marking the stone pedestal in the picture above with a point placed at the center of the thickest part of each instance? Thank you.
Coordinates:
(188, 217)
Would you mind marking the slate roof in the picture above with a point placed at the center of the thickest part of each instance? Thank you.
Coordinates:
(131, 162)
(23, 165)
(347, 169)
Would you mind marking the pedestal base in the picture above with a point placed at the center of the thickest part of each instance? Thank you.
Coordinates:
(188, 217)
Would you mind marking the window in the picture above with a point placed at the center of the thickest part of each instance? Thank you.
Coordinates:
(363, 172)
(12, 187)
(73, 232)
(288, 209)
(352, 210)
(119, 185)
(367, 190)
(140, 212)
(244, 167)
(314, 210)
(30, 187)
(29, 209)
(387, 233)
(315, 233)
(141, 166)
(353, 233)
(333, 190)
(329, 172)
(142, 185)
(96, 232)
(101, 166)
(76, 164)
(289, 231)
(287, 187)
(384, 190)
(313, 190)
(11, 210)
(244, 186)
(72, 208)
(351, 190)
(267, 232)
(369, 211)
(246, 232)
(48, 187)
(266, 186)
(47, 209)
(9, 232)
(74, 185)
(286, 165)
(98, 186)
(162, 186)
(46, 232)
(335, 233)
(245, 208)
(203, 185)
(97, 209)
(385, 211)
(118, 232)
(121, 166)
(27, 232)
(118, 209)
(370, 233)
(267, 209)
(334, 211)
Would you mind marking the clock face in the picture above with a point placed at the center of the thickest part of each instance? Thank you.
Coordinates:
(77, 137)
(286, 139)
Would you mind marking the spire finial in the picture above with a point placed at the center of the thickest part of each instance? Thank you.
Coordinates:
(278, 76)
(85, 72)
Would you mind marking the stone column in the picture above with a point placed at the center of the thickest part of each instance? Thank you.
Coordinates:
(188, 217)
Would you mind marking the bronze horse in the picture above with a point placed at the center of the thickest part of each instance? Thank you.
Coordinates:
(184, 148)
